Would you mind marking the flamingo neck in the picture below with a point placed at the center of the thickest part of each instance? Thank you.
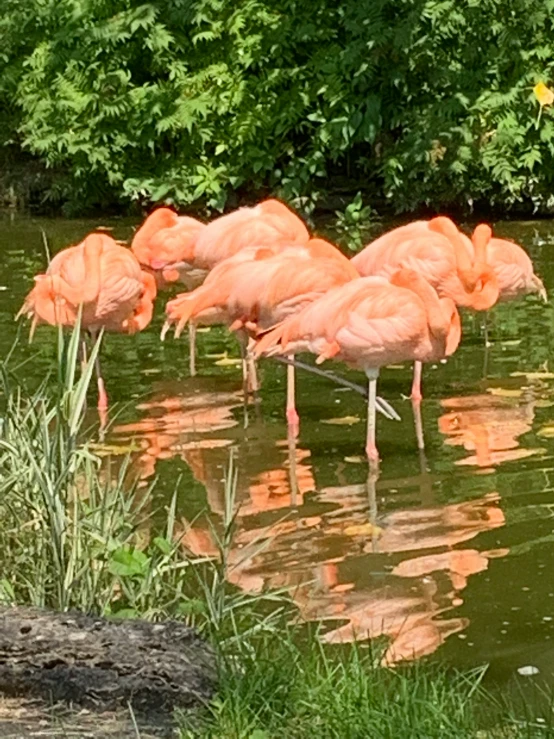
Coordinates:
(480, 239)
(446, 227)
(158, 220)
(86, 292)
(479, 283)
(93, 248)
(481, 287)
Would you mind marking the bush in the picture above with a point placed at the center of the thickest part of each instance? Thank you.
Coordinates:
(420, 102)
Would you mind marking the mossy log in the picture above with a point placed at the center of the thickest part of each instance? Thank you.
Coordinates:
(101, 664)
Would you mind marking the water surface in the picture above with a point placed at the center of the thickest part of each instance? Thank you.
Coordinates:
(451, 553)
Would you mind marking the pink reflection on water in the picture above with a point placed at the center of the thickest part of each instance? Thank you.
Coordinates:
(180, 425)
(488, 426)
(396, 575)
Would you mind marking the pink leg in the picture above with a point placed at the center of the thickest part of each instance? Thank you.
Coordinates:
(251, 370)
(292, 416)
(192, 348)
(103, 417)
(416, 384)
(83, 355)
(244, 364)
(102, 395)
(416, 406)
(293, 478)
(372, 478)
(102, 404)
(371, 448)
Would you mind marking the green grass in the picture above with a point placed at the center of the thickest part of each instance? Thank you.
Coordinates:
(71, 537)
(291, 688)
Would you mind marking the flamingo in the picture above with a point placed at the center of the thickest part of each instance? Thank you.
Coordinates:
(197, 248)
(165, 244)
(102, 279)
(370, 322)
(270, 223)
(259, 287)
(513, 269)
(457, 268)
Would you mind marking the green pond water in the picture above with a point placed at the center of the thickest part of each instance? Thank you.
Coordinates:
(451, 554)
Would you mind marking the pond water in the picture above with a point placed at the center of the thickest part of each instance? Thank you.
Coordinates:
(452, 551)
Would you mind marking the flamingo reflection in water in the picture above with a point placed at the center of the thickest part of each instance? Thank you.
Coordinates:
(488, 427)
(406, 603)
(395, 576)
(336, 562)
(201, 430)
(179, 422)
(200, 427)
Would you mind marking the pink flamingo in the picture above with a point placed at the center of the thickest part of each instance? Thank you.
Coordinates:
(194, 248)
(102, 279)
(165, 244)
(259, 287)
(368, 323)
(270, 223)
(513, 269)
(445, 257)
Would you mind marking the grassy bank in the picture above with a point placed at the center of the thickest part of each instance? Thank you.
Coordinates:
(75, 533)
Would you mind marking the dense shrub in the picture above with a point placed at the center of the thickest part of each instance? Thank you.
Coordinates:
(416, 101)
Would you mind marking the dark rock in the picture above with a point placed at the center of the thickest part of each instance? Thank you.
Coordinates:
(103, 665)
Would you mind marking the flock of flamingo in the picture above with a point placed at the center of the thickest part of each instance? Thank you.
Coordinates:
(282, 291)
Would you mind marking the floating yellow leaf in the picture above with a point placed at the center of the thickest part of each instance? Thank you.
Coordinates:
(534, 375)
(355, 460)
(113, 449)
(228, 362)
(547, 432)
(504, 392)
(344, 421)
(363, 529)
(544, 95)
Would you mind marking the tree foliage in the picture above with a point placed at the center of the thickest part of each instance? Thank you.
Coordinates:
(420, 102)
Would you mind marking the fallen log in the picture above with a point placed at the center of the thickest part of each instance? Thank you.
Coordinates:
(101, 664)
